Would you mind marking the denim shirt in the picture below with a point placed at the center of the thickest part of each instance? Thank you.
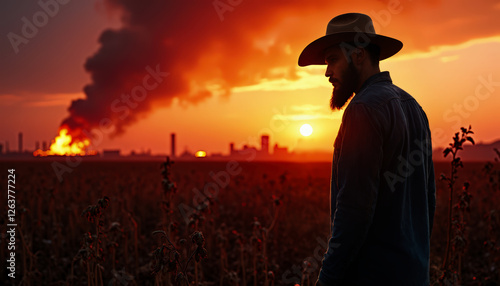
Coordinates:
(382, 191)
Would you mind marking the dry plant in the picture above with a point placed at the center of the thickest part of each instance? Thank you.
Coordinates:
(167, 259)
(456, 239)
(91, 254)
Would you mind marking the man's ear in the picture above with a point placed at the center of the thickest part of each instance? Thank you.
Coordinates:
(359, 55)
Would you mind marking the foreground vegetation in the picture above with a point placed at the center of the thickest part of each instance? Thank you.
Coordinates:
(239, 223)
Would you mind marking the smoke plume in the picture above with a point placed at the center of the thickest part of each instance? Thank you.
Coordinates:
(178, 49)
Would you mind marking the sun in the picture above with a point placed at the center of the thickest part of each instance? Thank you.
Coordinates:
(306, 130)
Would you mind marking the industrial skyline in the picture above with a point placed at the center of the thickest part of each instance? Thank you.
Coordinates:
(259, 152)
(248, 152)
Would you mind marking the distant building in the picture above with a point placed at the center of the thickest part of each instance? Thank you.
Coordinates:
(248, 152)
(280, 151)
(172, 145)
(111, 153)
(20, 142)
(264, 144)
(142, 153)
(216, 155)
(186, 155)
(249, 148)
(231, 149)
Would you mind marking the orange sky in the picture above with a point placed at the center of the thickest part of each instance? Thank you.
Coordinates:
(233, 75)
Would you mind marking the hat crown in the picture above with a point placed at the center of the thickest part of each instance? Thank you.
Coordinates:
(351, 22)
(348, 28)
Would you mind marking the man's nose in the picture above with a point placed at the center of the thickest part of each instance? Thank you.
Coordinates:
(328, 72)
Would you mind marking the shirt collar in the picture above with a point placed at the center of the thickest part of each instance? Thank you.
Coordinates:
(378, 77)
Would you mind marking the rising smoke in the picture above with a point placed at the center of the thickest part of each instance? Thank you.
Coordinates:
(194, 48)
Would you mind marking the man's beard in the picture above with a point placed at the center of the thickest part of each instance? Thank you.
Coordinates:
(343, 92)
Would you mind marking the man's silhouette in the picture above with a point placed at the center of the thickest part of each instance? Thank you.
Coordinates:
(382, 184)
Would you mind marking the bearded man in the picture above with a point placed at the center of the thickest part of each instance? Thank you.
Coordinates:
(382, 191)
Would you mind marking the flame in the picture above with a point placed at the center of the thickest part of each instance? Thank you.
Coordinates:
(200, 154)
(64, 144)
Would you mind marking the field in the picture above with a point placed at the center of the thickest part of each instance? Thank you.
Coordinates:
(263, 223)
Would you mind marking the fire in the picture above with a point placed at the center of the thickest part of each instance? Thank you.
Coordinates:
(64, 144)
(201, 154)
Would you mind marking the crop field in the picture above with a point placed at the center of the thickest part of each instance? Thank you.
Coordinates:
(209, 223)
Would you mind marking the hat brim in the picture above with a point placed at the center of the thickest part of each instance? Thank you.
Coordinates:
(313, 54)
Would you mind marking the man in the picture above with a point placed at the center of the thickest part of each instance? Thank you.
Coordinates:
(382, 184)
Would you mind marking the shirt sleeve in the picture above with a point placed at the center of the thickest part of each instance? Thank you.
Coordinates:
(358, 170)
(431, 179)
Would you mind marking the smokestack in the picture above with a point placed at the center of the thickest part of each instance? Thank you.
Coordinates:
(20, 142)
(172, 140)
(231, 148)
(44, 146)
(264, 144)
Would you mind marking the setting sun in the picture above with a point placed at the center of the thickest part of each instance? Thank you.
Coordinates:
(306, 130)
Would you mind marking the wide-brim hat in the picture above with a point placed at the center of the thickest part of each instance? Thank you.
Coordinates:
(353, 28)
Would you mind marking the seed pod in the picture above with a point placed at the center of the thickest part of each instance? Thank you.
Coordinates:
(179, 277)
(198, 238)
(176, 255)
(270, 275)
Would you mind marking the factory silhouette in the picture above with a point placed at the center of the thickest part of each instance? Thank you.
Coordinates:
(264, 152)
(478, 152)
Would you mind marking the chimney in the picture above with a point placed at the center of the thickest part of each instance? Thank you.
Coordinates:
(20, 142)
(44, 146)
(264, 144)
(231, 148)
(172, 140)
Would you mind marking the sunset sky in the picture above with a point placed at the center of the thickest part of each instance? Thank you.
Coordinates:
(226, 71)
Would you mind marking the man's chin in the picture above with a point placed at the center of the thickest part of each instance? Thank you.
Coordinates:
(339, 99)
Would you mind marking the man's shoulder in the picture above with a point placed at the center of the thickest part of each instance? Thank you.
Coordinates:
(382, 102)
(380, 93)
